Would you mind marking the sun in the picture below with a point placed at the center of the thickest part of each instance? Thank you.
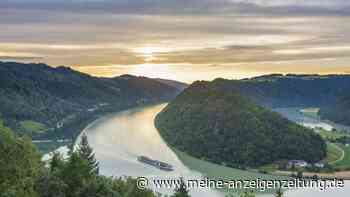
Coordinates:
(148, 53)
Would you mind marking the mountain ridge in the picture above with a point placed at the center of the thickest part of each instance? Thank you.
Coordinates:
(58, 97)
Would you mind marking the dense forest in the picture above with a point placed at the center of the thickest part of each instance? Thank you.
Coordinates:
(328, 92)
(46, 102)
(340, 111)
(228, 128)
(22, 174)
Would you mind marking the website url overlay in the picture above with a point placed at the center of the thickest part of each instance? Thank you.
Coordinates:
(256, 184)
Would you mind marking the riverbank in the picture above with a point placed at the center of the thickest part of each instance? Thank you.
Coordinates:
(118, 138)
(49, 144)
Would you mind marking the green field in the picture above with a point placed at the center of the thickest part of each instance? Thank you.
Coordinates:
(219, 172)
(334, 153)
(345, 162)
(311, 112)
(33, 127)
(330, 135)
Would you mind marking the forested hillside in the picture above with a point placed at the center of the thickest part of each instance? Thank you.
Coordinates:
(226, 127)
(289, 90)
(22, 174)
(340, 111)
(41, 101)
(328, 92)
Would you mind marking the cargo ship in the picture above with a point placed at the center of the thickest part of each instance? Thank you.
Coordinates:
(155, 163)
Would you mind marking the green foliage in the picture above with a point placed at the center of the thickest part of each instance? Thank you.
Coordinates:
(279, 193)
(247, 194)
(334, 153)
(19, 165)
(59, 98)
(86, 152)
(50, 185)
(345, 162)
(231, 129)
(340, 110)
(33, 127)
(181, 190)
(333, 136)
(23, 175)
(330, 93)
(56, 162)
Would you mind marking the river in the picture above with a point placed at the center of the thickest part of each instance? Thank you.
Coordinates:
(119, 138)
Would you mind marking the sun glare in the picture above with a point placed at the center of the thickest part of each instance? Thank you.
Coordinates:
(148, 53)
(149, 50)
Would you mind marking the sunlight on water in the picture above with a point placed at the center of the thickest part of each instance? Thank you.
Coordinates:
(119, 138)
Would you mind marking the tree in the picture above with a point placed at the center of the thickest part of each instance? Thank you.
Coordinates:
(300, 174)
(181, 190)
(86, 153)
(19, 165)
(76, 174)
(56, 162)
(50, 185)
(247, 194)
(279, 193)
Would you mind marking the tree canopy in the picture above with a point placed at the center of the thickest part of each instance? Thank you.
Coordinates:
(228, 128)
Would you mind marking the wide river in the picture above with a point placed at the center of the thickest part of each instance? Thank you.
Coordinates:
(120, 137)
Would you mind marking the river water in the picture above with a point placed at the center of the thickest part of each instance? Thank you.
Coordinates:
(119, 138)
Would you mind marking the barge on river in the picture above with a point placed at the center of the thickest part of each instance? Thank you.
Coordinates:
(158, 164)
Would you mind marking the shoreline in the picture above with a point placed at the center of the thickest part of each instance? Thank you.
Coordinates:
(82, 126)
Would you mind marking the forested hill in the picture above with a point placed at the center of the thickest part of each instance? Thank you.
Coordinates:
(226, 127)
(328, 92)
(40, 100)
(340, 111)
(290, 90)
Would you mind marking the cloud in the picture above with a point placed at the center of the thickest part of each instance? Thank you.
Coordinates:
(324, 7)
(18, 56)
(300, 3)
(187, 32)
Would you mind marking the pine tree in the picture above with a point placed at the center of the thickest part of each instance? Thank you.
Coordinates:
(86, 153)
(182, 190)
(56, 161)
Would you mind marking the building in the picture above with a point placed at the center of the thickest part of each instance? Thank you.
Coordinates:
(319, 164)
(297, 163)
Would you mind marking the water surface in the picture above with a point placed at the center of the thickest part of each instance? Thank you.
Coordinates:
(119, 138)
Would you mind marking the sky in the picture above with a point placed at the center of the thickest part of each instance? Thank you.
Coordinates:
(184, 40)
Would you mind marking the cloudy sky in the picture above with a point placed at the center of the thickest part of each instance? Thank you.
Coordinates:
(185, 40)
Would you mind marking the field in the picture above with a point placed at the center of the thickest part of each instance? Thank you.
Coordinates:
(311, 112)
(33, 127)
(334, 153)
(345, 162)
(330, 135)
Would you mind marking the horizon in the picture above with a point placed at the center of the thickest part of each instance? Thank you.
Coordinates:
(190, 82)
(179, 40)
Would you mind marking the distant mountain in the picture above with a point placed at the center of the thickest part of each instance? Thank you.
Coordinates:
(178, 85)
(328, 92)
(216, 122)
(43, 101)
(290, 90)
